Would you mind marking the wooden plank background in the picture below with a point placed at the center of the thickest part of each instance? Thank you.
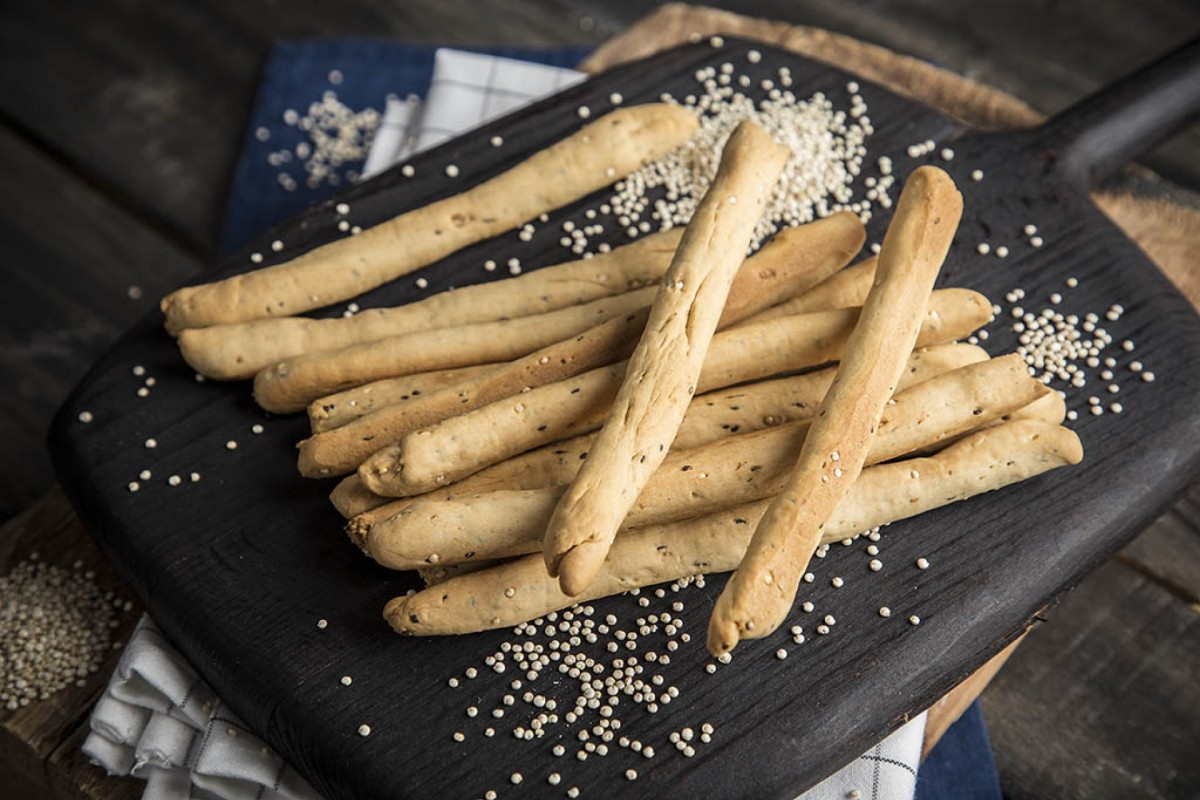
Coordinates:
(119, 125)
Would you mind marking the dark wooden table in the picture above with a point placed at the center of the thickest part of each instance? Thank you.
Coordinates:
(119, 125)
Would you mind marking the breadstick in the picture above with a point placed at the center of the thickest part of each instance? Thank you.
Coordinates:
(341, 450)
(593, 157)
(661, 377)
(844, 289)
(689, 483)
(237, 351)
(775, 402)
(520, 590)
(759, 595)
(342, 408)
(794, 260)
(762, 405)
(293, 383)
(461, 445)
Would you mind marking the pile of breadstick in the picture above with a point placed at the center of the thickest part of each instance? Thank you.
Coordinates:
(668, 408)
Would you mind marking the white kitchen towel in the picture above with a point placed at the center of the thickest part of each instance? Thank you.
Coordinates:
(159, 721)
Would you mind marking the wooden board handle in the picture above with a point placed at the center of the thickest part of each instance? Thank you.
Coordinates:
(1096, 136)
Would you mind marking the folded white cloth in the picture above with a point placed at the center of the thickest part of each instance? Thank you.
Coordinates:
(159, 721)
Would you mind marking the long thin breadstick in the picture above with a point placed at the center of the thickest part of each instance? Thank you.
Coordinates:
(758, 597)
(295, 382)
(461, 445)
(593, 157)
(690, 483)
(342, 408)
(795, 260)
(844, 289)
(520, 590)
(237, 351)
(661, 377)
(760, 405)
(709, 417)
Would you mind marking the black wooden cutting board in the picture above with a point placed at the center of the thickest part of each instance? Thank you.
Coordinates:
(239, 566)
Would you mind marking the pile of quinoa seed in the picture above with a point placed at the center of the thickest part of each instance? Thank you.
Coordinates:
(56, 629)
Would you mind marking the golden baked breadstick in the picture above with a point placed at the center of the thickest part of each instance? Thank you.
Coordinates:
(759, 595)
(844, 289)
(663, 371)
(237, 351)
(593, 157)
(709, 416)
(342, 408)
(793, 261)
(728, 472)
(520, 590)
(341, 450)
(775, 402)
(295, 382)
(759, 405)
(461, 445)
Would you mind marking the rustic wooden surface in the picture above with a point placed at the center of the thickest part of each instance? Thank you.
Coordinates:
(119, 124)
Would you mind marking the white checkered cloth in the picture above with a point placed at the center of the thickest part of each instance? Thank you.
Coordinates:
(159, 721)
(467, 90)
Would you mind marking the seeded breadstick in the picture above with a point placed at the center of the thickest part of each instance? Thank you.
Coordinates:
(765, 404)
(293, 383)
(336, 410)
(730, 471)
(794, 260)
(709, 417)
(662, 373)
(461, 445)
(775, 402)
(844, 289)
(237, 351)
(520, 590)
(759, 595)
(341, 450)
(595, 156)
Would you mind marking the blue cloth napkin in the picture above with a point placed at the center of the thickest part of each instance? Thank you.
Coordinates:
(961, 767)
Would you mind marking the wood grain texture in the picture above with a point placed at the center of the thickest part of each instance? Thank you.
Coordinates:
(280, 673)
(1116, 648)
(59, 314)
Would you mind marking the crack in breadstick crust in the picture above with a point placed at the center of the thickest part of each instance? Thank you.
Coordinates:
(520, 590)
(709, 417)
(759, 596)
(589, 159)
(237, 351)
(689, 483)
(465, 444)
(794, 261)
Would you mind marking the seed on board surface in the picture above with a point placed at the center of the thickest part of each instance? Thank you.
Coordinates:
(914, 620)
(884, 611)
(85, 417)
(364, 730)
(922, 563)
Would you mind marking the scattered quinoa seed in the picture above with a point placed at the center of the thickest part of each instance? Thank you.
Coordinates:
(85, 417)
(885, 612)
(364, 730)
